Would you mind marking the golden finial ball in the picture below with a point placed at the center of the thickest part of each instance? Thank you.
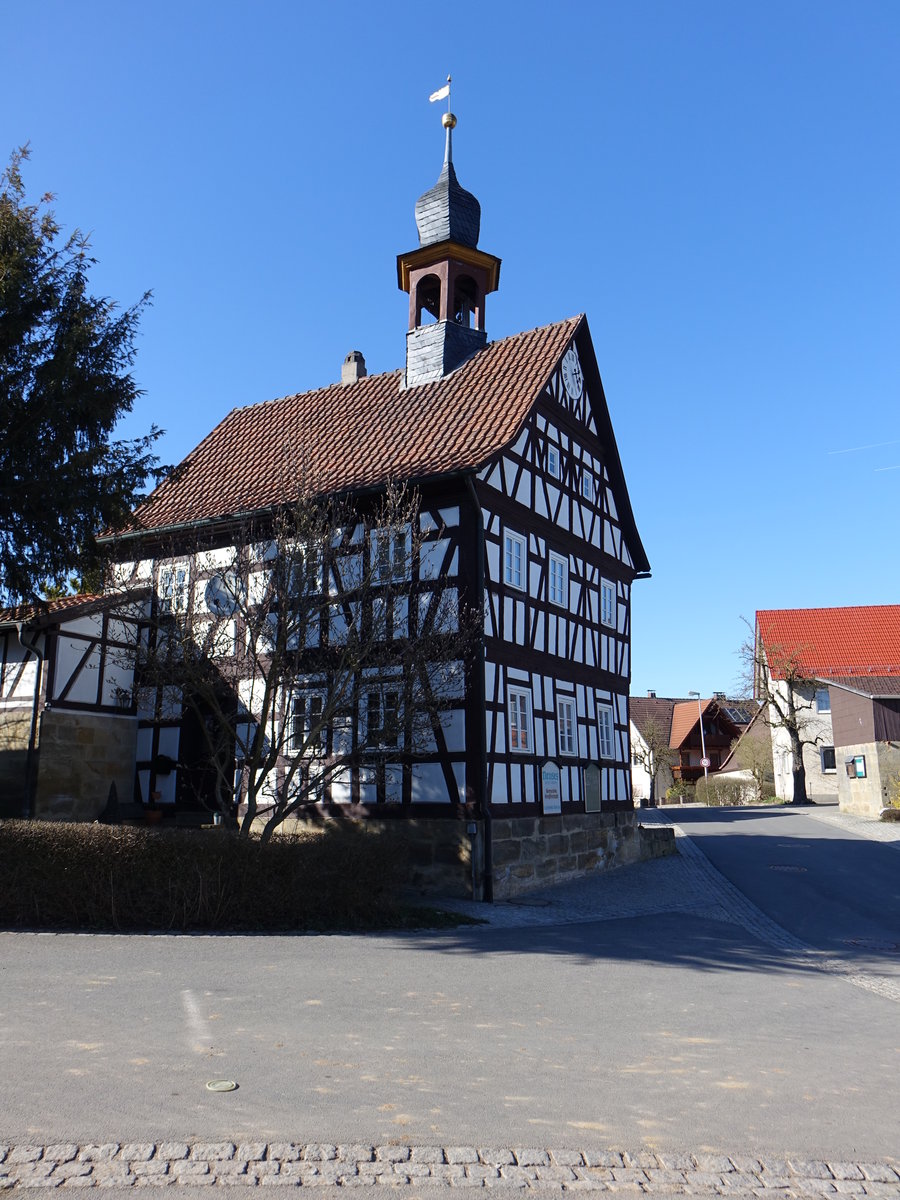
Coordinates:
(448, 121)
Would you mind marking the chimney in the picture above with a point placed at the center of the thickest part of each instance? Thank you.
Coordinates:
(719, 696)
(651, 695)
(353, 367)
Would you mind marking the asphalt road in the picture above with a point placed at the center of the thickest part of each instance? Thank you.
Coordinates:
(832, 889)
(667, 1030)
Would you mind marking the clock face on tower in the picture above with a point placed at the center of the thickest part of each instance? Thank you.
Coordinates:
(571, 373)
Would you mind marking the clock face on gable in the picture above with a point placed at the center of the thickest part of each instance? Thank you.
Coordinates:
(573, 379)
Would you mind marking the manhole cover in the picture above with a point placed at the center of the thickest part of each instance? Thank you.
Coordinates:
(863, 943)
(786, 867)
(221, 1085)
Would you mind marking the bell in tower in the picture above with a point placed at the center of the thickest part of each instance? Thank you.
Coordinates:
(447, 278)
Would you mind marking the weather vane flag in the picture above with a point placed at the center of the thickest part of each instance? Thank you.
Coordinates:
(441, 93)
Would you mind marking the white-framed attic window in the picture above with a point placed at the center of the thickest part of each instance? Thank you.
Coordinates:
(608, 603)
(558, 579)
(515, 559)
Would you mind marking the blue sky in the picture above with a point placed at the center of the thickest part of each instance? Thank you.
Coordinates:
(717, 185)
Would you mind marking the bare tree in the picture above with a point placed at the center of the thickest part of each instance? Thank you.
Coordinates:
(652, 752)
(754, 754)
(320, 639)
(784, 687)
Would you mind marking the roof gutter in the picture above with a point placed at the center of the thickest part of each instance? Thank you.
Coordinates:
(488, 886)
(202, 523)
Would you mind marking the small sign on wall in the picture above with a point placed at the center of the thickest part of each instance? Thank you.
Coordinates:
(551, 796)
(856, 766)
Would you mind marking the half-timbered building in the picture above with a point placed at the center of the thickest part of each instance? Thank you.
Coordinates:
(67, 716)
(523, 512)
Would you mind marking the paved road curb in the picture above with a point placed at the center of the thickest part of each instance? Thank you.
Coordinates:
(292, 1164)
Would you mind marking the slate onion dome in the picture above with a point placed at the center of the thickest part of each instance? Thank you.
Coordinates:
(447, 212)
(447, 277)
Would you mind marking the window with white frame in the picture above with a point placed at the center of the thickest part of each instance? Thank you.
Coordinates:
(608, 603)
(302, 573)
(587, 485)
(519, 703)
(514, 560)
(382, 717)
(828, 760)
(605, 723)
(558, 579)
(823, 700)
(173, 588)
(553, 462)
(566, 729)
(391, 554)
(307, 731)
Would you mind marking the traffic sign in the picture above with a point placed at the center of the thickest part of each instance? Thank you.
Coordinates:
(704, 762)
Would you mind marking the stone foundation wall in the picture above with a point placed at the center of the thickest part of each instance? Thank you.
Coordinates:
(15, 730)
(867, 797)
(531, 852)
(528, 852)
(80, 755)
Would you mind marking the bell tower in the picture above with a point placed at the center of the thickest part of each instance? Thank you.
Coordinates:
(447, 278)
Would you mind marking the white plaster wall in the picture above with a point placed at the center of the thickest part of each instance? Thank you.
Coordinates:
(813, 725)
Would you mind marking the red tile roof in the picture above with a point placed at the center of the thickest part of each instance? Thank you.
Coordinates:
(677, 719)
(348, 437)
(684, 718)
(828, 642)
(47, 608)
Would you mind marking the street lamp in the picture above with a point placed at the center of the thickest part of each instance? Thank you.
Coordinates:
(704, 760)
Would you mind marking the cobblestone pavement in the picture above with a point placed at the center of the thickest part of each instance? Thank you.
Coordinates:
(524, 1168)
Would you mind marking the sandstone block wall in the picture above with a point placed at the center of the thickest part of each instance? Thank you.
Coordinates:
(531, 852)
(528, 852)
(15, 730)
(80, 755)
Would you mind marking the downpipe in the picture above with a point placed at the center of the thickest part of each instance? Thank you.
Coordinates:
(488, 883)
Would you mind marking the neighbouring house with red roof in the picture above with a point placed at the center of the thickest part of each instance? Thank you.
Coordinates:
(67, 718)
(839, 670)
(511, 450)
(671, 737)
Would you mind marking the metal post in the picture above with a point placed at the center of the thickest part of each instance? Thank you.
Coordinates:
(702, 741)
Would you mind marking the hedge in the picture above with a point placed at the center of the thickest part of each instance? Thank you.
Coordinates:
(78, 876)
